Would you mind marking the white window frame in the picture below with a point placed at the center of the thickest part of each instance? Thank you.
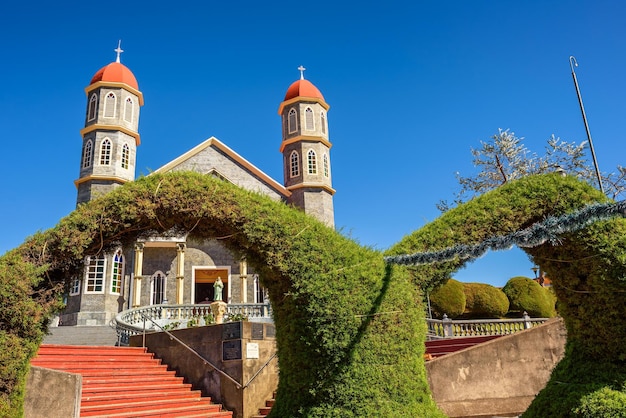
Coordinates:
(125, 160)
(91, 108)
(110, 105)
(95, 274)
(105, 151)
(75, 286)
(309, 119)
(323, 122)
(88, 154)
(311, 159)
(129, 110)
(117, 272)
(260, 293)
(292, 121)
(325, 165)
(294, 164)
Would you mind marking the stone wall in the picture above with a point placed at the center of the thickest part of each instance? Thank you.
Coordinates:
(52, 394)
(500, 377)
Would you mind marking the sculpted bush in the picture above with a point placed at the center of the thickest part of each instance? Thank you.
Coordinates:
(449, 299)
(484, 301)
(527, 295)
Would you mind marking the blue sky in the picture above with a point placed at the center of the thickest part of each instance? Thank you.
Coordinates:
(412, 86)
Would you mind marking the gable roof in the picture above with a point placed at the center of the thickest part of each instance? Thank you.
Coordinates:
(182, 163)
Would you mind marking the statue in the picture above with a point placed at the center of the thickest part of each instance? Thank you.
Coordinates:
(217, 289)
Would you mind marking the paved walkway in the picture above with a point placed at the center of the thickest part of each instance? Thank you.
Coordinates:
(101, 335)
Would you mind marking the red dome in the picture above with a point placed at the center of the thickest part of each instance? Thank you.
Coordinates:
(303, 88)
(115, 72)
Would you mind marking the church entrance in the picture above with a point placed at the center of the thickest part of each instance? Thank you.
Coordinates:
(204, 279)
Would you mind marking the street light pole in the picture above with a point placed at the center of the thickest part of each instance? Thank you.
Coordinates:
(573, 63)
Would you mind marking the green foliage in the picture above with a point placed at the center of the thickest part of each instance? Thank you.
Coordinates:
(236, 318)
(603, 403)
(448, 299)
(484, 301)
(527, 295)
(350, 337)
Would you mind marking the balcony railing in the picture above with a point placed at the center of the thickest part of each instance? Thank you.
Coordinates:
(448, 328)
(133, 321)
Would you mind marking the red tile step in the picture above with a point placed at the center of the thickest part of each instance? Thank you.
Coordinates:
(438, 348)
(127, 382)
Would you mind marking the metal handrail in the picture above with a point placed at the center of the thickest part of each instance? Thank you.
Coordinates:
(260, 370)
(194, 352)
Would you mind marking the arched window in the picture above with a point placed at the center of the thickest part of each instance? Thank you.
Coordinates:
(308, 119)
(125, 156)
(91, 112)
(292, 121)
(109, 105)
(323, 122)
(312, 162)
(157, 288)
(260, 294)
(117, 272)
(105, 152)
(94, 274)
(128, 110)
(326, 165)
(87, 153)
(294, 163)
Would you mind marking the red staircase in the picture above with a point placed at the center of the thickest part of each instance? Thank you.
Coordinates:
(438, 348)
(265, 411)
(126, 382)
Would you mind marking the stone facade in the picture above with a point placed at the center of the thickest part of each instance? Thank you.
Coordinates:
(183, 269)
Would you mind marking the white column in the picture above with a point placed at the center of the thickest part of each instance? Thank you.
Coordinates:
(180, 272)
(138, 273)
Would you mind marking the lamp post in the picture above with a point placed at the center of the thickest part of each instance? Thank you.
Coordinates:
(535, 269)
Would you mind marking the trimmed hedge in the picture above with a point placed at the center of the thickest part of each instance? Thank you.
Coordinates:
(587, 269)
(448, 299)
(484, 301)
(350, 338)
(527, 295)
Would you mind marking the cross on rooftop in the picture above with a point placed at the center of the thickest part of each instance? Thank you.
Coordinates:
(119, 50)
(301, 68)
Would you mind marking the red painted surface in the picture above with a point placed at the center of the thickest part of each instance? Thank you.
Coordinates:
(303, 88)
(116, 72)
(438, 348)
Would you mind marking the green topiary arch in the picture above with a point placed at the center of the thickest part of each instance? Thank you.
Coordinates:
(350, 327)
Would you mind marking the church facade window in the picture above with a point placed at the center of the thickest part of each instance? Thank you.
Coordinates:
(294, 164)
(94, 276)
(326, 165)
(75, 286)
(292, 121)
(117, 272)
(128, 110)
(157, 288)
(260, 294)
(105, 152)
(110, 102)
(125, 156)
(309, 124)
(312, 162)
(91, 112)
(323, 122)
(87, 153)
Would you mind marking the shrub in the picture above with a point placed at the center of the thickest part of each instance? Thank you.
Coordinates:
(525, 294)
(449, 299)
(484, 301)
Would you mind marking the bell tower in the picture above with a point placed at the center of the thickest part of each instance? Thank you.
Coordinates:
(110, 136)
(306, 150)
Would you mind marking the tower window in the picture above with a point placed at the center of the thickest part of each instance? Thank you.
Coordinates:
(105, 152)
(91, 112)
(294, 161)
(128, 110)
(95, 275)
(87, 153)
(292, 121)
(308, 119)
(158, 288)
(117, 272)
(109, 105)
(326, 165)
(312, 162)
(323, 122)
(125, 156)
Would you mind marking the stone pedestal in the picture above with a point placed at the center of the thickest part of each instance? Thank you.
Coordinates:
(218, 309)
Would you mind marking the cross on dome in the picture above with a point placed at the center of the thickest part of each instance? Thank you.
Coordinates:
(301, 68)
(119, 50)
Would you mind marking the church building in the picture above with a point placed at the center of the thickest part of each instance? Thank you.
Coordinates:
(179, 269)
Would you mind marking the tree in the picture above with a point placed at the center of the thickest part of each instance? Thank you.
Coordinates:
(505, 158)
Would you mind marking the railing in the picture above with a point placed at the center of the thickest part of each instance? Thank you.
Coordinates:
(132, 321)
(447, 328)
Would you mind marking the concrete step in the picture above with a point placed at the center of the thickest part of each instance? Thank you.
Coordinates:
(76, 335)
